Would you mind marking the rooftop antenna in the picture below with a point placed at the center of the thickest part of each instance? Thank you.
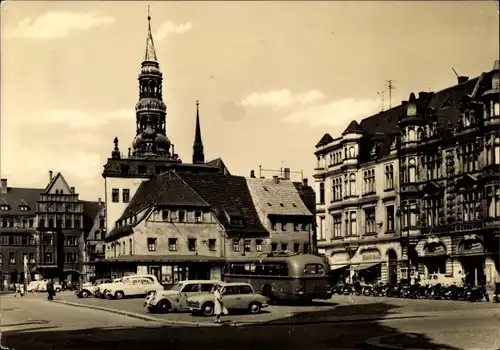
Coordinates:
(381, 94)
(454, 71)
(390, 87)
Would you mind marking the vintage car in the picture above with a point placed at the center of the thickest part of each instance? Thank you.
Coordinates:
(235, 296)
(99, 291)
(133, 286)
(175, 299)
(41, 286)
(440, 278)
(89, 288)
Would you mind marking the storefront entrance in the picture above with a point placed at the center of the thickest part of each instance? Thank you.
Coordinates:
(392, 266)
(473, 269)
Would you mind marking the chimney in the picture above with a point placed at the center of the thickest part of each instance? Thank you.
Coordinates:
(50, 175)
(305, 183)
(462, 79)
(423, 94)
(252, 174)
(73, 189)
(3, 188)
(286, 174)
(99, 201)
(276, 179)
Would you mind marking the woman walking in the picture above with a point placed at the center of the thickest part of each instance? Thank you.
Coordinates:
(218, 305)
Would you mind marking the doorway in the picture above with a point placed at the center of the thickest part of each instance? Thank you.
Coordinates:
(473, 269)
(392, 266)
(155, 271)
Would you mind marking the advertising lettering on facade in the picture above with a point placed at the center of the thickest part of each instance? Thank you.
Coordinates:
(371, 255)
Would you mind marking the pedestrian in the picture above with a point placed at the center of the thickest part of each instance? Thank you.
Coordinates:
(50, 290)
(218, 304)
(17, 287)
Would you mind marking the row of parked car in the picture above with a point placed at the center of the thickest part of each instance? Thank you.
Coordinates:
(191, 295)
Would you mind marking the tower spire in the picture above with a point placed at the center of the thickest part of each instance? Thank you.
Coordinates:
(198, 155)
(150, 45)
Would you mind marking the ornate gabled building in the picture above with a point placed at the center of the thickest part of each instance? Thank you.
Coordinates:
(152, 152)
(94, 223)
(18, 236)
(423, 179)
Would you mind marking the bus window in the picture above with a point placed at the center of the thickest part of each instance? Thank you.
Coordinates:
(314, 269)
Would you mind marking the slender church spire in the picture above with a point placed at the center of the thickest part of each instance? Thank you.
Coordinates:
(150, 44)
(198, 155)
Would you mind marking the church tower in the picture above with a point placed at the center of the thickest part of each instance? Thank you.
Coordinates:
(198, 155)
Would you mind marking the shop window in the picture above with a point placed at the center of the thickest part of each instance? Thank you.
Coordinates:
(212, 245)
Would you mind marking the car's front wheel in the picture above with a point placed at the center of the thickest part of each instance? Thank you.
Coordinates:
(84, 294)
(119, 295)
(58, 290)
(208, 309)
(163, 306)
(254, 308)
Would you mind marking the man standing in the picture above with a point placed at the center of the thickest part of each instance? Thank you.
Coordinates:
(50, 290)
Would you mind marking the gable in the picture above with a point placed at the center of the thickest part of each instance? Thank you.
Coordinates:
(465, 182)
(58, 184)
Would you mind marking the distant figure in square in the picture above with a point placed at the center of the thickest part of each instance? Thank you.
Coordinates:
(50, 290)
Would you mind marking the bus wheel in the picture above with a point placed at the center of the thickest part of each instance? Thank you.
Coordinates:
(267, 291)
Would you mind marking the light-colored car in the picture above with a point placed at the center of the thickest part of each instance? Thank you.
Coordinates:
(440, 278)
(101, 289)
(235, 296)
(133, 286)
(89, 289)
(175, 299)
(41, 286)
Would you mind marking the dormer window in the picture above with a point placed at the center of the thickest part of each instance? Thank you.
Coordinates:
(236, 221)
(23, 208)
(4, 207)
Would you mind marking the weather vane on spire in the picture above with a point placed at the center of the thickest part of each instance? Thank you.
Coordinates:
(149, 14)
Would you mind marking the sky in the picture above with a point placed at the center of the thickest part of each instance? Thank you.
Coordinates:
(272, 77)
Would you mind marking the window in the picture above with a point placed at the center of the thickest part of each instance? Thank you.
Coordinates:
(295, 226)
(212, 245)
(197, 216)
(68, 223)
(102, 223)
(31, 258)
(412, 171)
(337, 189)
(25, 223)
(389, 177)
(296, 247)
(71, 241)
(30, 223)
(258, 245)
(469, 157)
(352, 185)
(11, 223)
(123, 248)
(126, 195)
(432, 206)
(32, 240)
(141, 169)
(182, 216)
(130, 246)
(369, 179)
(12, 240)
(284, 246)
(248, 245)
(352, 224)
(49, 258)
(314, 269)
(236, 245)
(59, 224)
(337, 225)
(97, 235)
(70, 258)
(493, 201)
(172, 244)
(306, 248)
(274, 247)
(1, 258)
(24, 240)
(370, 220)
(151, 244)
(115, 195)
(12, 258)
(321, 192)
(390, 218)
(164, 215)
(25, 257)
(124, 169)
(273, 225)
(496, 109)
(192, 244)
(471, 206)
(77, 222)
(493, 151)
(283, 226)
(352, 152)
(321, 229)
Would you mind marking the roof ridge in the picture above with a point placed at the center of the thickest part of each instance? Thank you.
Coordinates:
(192, 189)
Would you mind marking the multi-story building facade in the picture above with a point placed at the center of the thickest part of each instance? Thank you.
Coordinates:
(61, 230)
(18, 236)
(94, 223)
(426, 176)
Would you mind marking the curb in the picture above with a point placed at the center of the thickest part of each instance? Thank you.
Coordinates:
(136, 315)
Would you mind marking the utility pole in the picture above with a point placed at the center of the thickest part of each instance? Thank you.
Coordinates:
(381, 94)
(390, 87)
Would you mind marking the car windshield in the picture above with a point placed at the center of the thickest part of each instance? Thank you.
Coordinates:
(177, 287)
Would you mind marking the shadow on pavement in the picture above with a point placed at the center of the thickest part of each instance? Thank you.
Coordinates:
(305, 336)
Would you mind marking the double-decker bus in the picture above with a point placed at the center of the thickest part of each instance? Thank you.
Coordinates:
(282, 276)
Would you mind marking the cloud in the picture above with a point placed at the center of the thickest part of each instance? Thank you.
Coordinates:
(281, 98)
(77, 119)
(335, 113)
(56, 24)
(171, 28)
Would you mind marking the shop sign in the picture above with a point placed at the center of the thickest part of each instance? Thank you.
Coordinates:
(371, 255)
(470, 247)
(435, 249)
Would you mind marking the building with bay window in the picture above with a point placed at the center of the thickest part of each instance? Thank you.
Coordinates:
(440, 154)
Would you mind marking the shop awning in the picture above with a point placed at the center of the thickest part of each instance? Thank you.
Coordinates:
(338, 267)
(364, 266)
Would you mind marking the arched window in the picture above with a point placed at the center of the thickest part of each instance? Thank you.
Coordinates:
(411, 134)
(352, 184)
(412, 170)
(352, 152)
(322, 192)
(25, 222)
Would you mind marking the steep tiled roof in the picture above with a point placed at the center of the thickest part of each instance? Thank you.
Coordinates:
(353, 127)
(90, 212)
(229, 196)
(326, 139)
(219, 164)
(16, 197)
(166, 189)
(273, 198)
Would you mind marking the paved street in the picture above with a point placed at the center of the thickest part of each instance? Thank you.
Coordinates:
(461, 325)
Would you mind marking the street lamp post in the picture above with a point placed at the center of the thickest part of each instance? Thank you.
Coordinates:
(399, 215)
